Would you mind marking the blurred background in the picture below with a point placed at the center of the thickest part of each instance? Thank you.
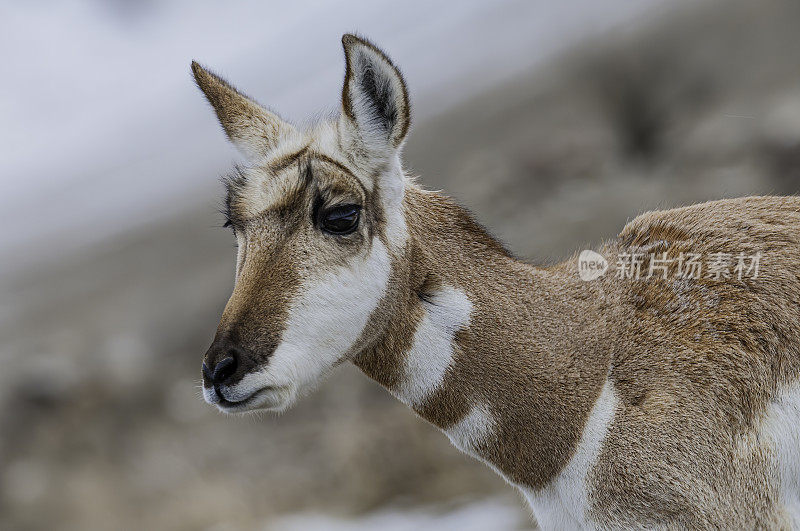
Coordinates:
(555, 122)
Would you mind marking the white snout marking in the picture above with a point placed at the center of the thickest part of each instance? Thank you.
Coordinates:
(323, 324)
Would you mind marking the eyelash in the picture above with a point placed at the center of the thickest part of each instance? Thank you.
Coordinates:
(339, 220)
(317, 211)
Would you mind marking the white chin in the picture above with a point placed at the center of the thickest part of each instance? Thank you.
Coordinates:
(267, 399)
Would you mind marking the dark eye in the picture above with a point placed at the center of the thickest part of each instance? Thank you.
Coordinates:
(340, 219)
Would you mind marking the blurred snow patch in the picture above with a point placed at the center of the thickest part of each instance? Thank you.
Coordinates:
(496, 514)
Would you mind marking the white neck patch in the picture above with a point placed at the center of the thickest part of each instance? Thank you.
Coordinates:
(446, 312)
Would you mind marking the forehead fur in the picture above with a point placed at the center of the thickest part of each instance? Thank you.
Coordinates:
(275, 180)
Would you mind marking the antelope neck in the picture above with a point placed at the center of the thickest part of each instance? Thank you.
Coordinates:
(507, 359)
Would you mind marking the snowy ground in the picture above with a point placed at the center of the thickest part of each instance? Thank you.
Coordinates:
(495, 514)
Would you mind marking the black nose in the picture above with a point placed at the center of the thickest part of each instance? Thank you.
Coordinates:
(223, 370)
(227, 360)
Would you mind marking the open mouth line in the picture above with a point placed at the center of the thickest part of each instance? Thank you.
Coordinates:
(239, 404)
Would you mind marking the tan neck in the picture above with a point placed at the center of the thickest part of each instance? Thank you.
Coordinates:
(532, 354)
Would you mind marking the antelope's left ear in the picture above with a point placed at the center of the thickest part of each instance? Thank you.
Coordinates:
(253, 129)
(374, 96)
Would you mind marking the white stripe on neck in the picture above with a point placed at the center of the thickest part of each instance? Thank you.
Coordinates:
(564, 503)
(446, 311)
(476, 427)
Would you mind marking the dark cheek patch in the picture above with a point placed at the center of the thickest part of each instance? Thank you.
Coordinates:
(377, 215)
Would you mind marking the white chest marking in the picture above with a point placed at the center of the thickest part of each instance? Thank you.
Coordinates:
(564, 503)
(431, 353)
(782, 427)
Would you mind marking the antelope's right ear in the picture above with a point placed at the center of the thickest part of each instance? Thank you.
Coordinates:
(253, 129)
(374, 96)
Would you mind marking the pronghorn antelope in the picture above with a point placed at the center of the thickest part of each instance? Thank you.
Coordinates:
(669, 401)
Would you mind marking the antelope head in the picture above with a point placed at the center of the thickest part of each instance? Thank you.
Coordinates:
(318, 217)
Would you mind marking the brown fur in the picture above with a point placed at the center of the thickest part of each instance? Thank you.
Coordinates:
(523, 352)
(697, 363)
(249, 125)
(279, 240)
(694, 363)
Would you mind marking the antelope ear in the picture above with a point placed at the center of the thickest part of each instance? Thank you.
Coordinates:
(253, 129)
(374, 96)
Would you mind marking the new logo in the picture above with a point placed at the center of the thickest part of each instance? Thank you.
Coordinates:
(591, 265)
